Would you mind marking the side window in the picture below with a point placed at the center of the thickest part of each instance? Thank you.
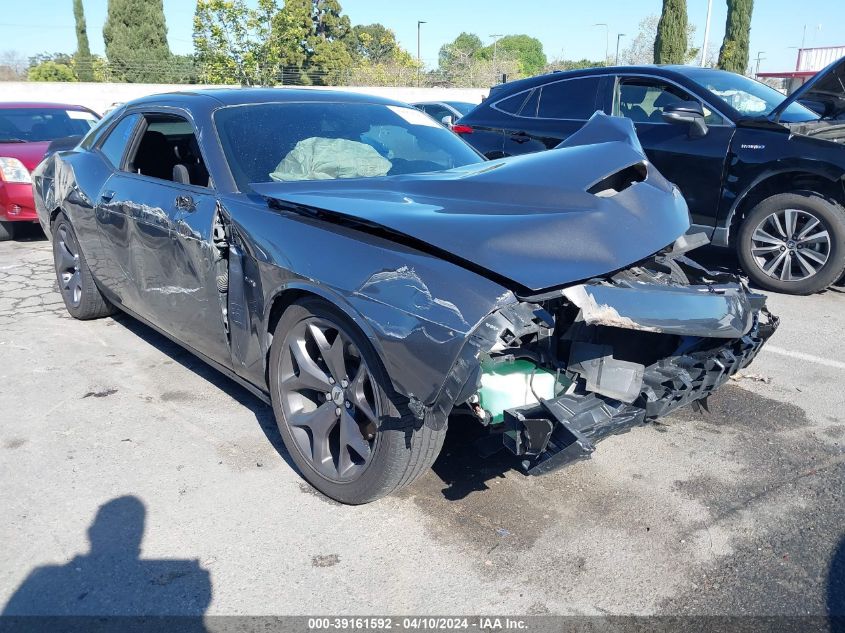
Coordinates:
(511, 104)
(643, 101)
(168, 150)
(114, 146)
(529, 108)
(569, 99)
(437, 112)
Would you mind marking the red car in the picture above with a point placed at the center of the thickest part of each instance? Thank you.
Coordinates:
(26, 130)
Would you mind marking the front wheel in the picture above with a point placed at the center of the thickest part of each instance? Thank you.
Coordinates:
(82, 298)
(352, 437)
(793, 243)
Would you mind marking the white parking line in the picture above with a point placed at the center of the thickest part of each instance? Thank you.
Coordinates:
(827, 362)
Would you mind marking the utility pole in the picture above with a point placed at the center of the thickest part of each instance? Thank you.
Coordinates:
(419, 59)
(759, 59)
(619, 36)
(606, 36)
(495, 37)
(706, 34)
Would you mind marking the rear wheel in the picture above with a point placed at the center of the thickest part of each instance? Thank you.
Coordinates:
(7, 231)
(82, 298)
(351, 436)
(793, 243)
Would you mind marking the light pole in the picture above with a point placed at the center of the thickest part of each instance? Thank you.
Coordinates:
(759, 59)
(706, 33)
(495, 37)
(619, 36)
(606, 36)
(419, 59)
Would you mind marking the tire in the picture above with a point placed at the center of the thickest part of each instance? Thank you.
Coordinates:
(775, 261)
(7, 231)
(392, 447)
(82, 298)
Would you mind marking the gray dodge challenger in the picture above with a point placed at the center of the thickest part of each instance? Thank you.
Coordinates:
(362, 269)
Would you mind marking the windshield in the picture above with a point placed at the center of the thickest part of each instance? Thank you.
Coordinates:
(287, 142)
(28, 125)
(750, 98)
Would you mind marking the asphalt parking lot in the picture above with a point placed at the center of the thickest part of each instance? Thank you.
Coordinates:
(111, 435)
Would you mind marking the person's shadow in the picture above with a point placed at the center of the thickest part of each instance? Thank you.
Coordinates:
(112, 579)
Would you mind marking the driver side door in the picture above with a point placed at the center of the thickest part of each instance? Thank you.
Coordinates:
(157, 214)
(695, 164)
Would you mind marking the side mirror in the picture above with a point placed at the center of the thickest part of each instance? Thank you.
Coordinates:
(687, 113)
(448, 120)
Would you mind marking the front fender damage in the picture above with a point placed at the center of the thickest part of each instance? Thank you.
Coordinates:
(557, 372)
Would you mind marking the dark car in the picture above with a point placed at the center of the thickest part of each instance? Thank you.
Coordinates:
(27, 131)
(439, 110)
(760, 172)
(357, 265)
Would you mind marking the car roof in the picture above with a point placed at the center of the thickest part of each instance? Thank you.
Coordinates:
(8, 105)
(670, 71)
(243, 96)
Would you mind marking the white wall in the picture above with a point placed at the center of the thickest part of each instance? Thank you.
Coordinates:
(99, 96)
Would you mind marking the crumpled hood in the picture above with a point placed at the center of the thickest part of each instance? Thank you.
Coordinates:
(528, 219)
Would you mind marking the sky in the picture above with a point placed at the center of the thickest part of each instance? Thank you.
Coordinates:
(564, 27)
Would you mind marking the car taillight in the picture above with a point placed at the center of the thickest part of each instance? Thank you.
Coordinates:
(460, 128)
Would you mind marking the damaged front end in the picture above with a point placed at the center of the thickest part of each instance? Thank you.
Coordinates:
(558, 372)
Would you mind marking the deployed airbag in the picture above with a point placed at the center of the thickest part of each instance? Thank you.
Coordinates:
(318, 158)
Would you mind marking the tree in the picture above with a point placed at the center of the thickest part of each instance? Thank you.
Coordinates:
(462, 48)
(376, 44)
(83, 62)
(571, 64)
(135, 35)
(670, 43)
(526, 50)
(13, 66)
(641, 49)
(56, 67)
(733, 55)
(234, 43)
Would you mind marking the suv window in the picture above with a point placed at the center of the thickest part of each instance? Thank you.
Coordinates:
(643, 100)
(511, 104)
(168, 150)
(114, 146)
(569, 99)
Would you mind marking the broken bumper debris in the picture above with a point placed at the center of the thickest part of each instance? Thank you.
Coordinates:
(564, 429)
(624, 349)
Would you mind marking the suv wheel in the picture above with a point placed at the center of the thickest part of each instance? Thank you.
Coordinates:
(793, 243)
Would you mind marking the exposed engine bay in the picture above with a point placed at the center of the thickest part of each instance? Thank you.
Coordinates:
(556, 373)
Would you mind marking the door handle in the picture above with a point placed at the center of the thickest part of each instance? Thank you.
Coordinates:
(185, 203)
(106, 196)
(520, 137)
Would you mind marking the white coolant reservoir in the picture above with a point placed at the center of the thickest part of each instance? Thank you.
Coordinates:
(507, 385)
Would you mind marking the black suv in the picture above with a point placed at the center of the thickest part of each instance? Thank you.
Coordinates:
(761, 172)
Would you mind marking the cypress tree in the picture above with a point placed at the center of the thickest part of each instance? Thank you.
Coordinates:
(670, 45)
(135, 35)
(733, 55)
(84, 61)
